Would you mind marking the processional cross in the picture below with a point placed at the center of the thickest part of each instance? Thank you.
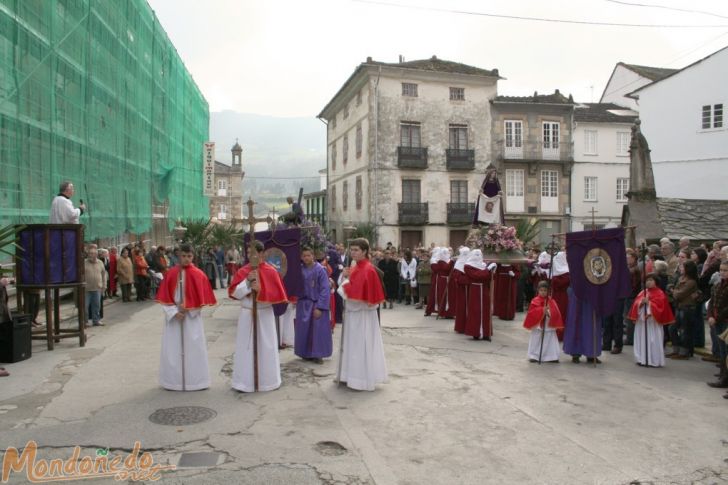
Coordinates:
(254, 260)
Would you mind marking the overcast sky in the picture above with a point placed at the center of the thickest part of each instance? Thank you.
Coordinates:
(289, 57)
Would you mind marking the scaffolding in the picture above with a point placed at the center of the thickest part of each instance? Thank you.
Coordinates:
(94, 92)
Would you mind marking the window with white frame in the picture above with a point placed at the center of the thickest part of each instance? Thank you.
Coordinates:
(457, 94)
(549, 183)
(623, 140)
(515, 201)
(549, 191)
(551, 135)
(222, 188)
(590, 142)
(513, 131)
(409, 89)
(222, 212)
(590, 189)
(622, 189)
(712, 116)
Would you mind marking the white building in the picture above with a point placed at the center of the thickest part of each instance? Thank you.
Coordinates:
(683, 120)
(626, 78)
(600, 175)
(408, 144)
(314, 203)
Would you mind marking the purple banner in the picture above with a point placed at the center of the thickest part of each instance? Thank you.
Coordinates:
(598, 267)
(61, 261)
(283, 250)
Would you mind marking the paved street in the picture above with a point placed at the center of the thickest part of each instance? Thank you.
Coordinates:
(454, 411)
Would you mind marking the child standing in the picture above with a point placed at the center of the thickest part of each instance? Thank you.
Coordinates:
(543, 313)
(650, 308)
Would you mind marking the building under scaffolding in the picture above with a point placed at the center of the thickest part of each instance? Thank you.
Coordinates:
(95, 92)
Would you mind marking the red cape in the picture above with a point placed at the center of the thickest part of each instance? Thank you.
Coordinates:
(536, 312)
(659, 306)
(198, 292)
(271, 286)
(364, 284)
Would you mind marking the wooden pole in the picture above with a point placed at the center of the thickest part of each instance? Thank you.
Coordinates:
(548, 297)
(254, 264)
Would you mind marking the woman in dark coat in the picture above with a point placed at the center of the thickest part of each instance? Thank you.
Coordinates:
(391, 277)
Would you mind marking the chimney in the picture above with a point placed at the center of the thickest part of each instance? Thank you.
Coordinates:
(433, 58)
(369, 60)
(401, 58)
(557, 92)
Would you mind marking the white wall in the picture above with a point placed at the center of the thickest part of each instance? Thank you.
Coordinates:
(688, 162)
(607, 165)
(622, 82)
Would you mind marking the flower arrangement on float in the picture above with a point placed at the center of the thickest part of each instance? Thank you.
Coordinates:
(498, 243)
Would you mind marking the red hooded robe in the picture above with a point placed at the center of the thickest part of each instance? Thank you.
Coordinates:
(198, 292)
(271, 287)
(659, 306)
(534, 317)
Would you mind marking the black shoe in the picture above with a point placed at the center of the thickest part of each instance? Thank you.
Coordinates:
(575, 359)
(720, 383)
(593, 360)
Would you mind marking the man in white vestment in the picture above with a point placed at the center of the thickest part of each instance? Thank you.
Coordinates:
(62, 210)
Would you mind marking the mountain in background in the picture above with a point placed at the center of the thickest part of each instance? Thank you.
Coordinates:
(289, 147)
(277, 152)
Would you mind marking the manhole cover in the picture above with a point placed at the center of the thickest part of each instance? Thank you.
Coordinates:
(330, 448)
(182, 415)
(199, 459)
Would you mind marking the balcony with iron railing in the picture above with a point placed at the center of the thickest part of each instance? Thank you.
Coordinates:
(459, 159)
(460, 212)
(533, 149)
(413, 213)
(412, 157)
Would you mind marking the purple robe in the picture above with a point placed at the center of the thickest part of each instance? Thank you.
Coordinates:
(334, 262)
(313, 336)
(581, 328)
(491, 187)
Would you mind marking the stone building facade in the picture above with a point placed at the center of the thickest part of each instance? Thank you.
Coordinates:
(533, 150)
(408, 145)
(227, 204)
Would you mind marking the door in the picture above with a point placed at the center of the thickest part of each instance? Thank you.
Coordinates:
(457, 238)
(410, 239)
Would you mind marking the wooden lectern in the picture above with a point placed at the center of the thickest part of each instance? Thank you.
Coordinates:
(50, 257)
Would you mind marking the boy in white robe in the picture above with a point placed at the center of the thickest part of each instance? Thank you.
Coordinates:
(266, 284)
(184, 291)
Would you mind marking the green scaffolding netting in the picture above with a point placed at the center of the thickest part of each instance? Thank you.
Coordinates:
(93, 91)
